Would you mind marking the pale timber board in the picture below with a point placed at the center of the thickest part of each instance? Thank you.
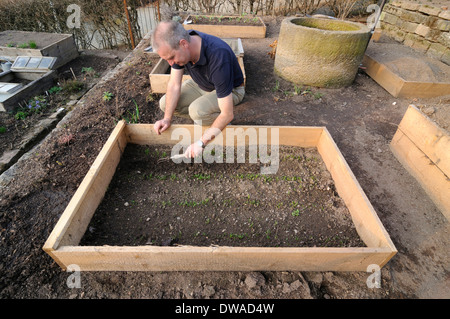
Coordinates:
(434, 182)
(230, 31)
(383, 76)
(365, 219)
(432, 140)
(77, 215)
(144, 134)
(188, 258)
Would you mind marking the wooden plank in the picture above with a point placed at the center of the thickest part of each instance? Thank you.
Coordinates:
(383, 76)
(230, 31)
(161, 67)
(188, 258)
(288, 135)
(423, 89)
(428, 137)
(77, 215)
(399, 87)
(367, 223)
(420, 166)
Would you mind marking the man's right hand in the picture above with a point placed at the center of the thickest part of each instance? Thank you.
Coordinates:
(161, 125)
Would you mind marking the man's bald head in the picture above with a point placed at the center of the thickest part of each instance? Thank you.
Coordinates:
(170, 33)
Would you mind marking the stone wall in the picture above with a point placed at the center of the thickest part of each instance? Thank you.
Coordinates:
(424, 27)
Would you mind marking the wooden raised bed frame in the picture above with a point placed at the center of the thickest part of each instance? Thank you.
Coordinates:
(229, 31)
(159, 78)
(423, 148)
(399, 87)
(63, 243)
(64, 48)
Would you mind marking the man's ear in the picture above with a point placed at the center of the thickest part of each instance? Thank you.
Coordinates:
(184, 43)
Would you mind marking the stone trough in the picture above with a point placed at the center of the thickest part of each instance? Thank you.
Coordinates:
(320, 52)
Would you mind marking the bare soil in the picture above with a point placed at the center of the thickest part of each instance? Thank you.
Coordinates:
(166, 203)
(362, 120)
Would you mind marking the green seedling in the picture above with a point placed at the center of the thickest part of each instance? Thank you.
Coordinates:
(2, 129)
(277, 86)
(87, 69)
(133, 117)
(201, 176)
(107, 96)
(318, 95)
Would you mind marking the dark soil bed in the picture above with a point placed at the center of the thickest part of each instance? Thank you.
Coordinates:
(227, 204)
(226, 20)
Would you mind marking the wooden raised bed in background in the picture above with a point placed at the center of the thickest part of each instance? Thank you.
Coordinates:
(382, 66)
(423, 148)
(63, 46)
(63, 243)
(229, 31)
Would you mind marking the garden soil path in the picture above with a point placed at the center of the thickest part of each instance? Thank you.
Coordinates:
(362, 120)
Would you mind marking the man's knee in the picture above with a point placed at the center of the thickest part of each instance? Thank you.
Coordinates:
(162, 103)
(201, 113)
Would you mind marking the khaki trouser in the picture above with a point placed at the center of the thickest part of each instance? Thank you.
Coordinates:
(200, 106)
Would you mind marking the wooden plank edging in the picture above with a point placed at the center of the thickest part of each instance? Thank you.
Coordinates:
(423, 149)
(62, 244)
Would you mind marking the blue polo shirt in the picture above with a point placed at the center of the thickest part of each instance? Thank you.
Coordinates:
(217, 69)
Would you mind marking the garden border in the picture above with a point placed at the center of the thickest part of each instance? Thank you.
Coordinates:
(63, 243)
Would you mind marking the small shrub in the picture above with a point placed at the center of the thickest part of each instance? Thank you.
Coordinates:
(2, 129)
(72, 86)
(54, 90)
(32, 45)
(21, 115)
(89, 71)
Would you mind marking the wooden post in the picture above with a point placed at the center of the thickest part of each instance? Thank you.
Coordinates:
(129, 24)
(159, 12)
